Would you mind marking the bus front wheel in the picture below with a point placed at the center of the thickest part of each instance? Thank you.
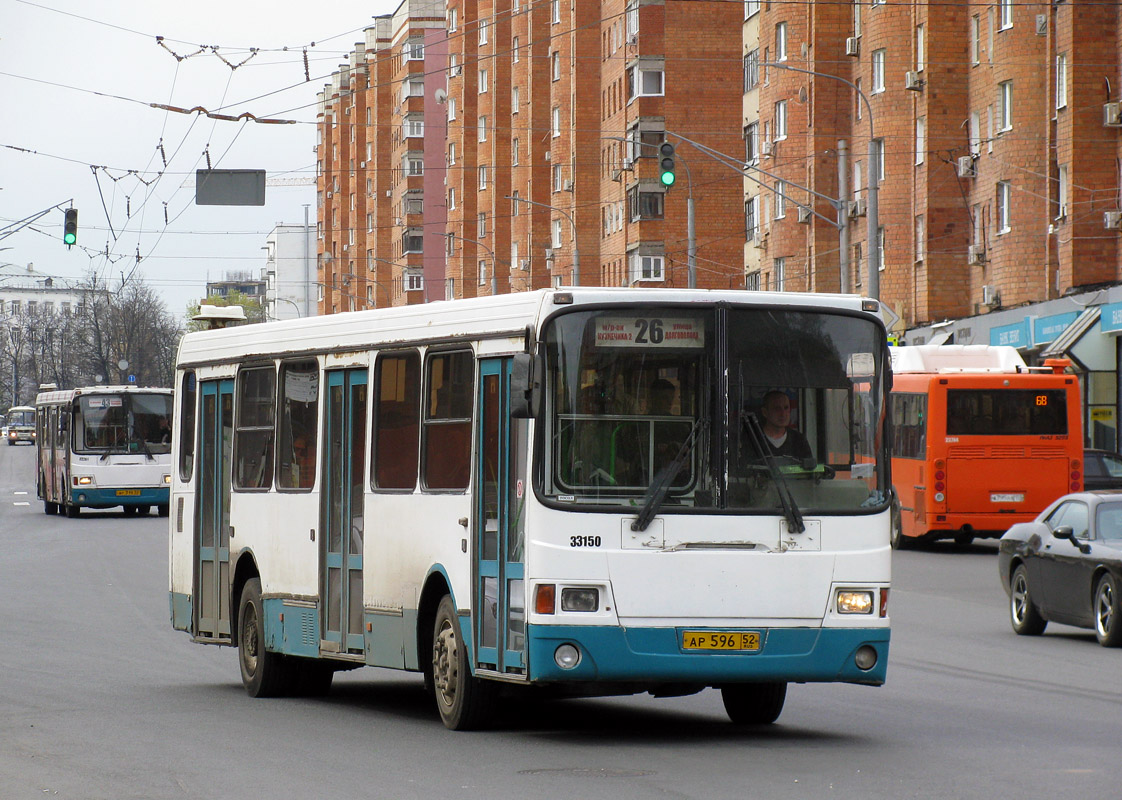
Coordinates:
(72, 511)
(264, 673)
(464, 701)
(754, 703)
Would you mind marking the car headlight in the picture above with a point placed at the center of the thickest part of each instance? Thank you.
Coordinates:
(855, 602)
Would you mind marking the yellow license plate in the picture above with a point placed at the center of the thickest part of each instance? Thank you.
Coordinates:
(128, 493)
(732, 641)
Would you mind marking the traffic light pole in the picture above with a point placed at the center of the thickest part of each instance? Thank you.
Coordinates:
(20, 224)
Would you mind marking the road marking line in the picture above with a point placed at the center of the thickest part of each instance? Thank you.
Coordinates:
(21, 504)
(19, 493)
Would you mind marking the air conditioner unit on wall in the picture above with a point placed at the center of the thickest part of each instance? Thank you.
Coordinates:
(857, 207)
(966, 167)
(765, 148)
(990, 296)
(975, 254)
(524, 263)
(1112, 220)
(804, 214)
(913, 81)
(1112, 115)
(853, 46)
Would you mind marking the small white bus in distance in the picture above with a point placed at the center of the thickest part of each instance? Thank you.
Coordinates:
(590, 490)
(104, 446)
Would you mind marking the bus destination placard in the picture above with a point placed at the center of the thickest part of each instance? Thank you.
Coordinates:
(649, 332)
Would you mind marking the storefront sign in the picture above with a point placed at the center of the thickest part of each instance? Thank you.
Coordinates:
(1015, 335)
(1045, 329)
(1111, 319)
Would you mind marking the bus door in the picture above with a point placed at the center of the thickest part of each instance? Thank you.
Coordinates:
(212, 587)
(342, 511)
(49, 465)
(500, 490)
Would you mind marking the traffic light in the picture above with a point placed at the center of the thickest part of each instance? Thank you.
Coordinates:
(70, 227)
(666, 164)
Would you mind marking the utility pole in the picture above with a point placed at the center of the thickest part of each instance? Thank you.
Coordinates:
(843, 216)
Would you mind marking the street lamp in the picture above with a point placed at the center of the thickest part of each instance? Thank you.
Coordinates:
(872, 210)
(494, 259)
(568, 216)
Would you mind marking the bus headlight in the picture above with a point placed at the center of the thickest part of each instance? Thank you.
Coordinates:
(83, 480)
(567, 656)
(580, 599)
(167, 480)
(855, 602)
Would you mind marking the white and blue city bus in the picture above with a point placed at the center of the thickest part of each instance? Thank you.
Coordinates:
(20, 425)
(104, 446)
(568, 489)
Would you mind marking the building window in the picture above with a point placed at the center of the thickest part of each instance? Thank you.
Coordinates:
(779, 268)
(752, 281)
(555, 239)
(1062, 192)
(1061, 80)
(554, 11)
(514, 100)
(558, 179)
(412, 241)
(780, 199)
(1004, 198)
(482, 272)
(514, 204)
(921, 139)
(751, 8)
(555, 124)
(857, 17)
(451, 197)
(415, 50)
(880, 249)
(482, 177)
(514, 152)
(555, 65)
(483, 32)
(514, 45)
(752, 142)
(645, 205)
(482, 128)
(921, 47)
(632, 14)
(752, 218)
(415, 165)
(414, 126)
(975, 134)
(451, 153)
(414, 281)
(1006, 14)
(975, 40)
(646, 267)
(780, 120)
(921, 236)
(482, 224)
(878, 145)
(1005, 106)
(452, 19)
(483, 82)
(781, 41)
(878, 70)
(451, 108)
(751, 70)
(644, 82)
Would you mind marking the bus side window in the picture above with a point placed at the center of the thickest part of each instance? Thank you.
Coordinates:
(253, 437)
(397, 410)
(447, 423)
(187, 427)
(298, 421)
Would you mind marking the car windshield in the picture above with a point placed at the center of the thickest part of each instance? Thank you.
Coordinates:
(749, 409)
(1108, 522)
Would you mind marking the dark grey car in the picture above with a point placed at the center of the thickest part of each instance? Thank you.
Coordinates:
(1066, 566)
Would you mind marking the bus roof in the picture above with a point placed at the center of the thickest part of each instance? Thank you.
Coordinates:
(66, 395)
(481, 317)
(946, 358)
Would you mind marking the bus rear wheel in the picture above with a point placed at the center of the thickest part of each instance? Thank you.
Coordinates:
(754, 703)
(264, 673)
(464, 701)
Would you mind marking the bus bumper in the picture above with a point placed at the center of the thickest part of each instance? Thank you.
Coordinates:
(654, 655)
(107, 498)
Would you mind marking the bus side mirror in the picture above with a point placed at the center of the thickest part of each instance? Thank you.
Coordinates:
(525, 387)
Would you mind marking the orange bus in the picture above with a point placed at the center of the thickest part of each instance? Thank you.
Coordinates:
(979, 440)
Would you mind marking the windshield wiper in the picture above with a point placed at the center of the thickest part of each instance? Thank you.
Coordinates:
(791, 511)
(662, 480)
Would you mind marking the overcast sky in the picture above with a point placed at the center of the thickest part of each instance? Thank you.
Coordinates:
(76, 78)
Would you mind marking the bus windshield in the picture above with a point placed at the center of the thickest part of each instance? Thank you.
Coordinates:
(718, 408)
(1007, 412)
(123, 423)
(21, 416)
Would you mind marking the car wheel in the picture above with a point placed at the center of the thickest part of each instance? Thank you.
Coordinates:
(754, 703)
(464, 701)
(1023, 613)
(1108, 614)
(264, 673)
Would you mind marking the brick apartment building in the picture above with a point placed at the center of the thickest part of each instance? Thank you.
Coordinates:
(997, 169)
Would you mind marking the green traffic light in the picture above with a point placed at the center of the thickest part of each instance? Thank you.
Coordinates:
(667, 178)
(69, 238)
(70, 227)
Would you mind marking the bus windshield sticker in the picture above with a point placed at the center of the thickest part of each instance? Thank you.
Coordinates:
(649, 332)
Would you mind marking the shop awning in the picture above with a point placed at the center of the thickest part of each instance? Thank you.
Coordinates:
(941, 338)
(1062, 344)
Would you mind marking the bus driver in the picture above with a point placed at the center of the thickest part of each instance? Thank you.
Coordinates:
(782, 440)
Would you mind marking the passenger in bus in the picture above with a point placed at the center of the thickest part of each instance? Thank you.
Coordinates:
(780, 437)
(660, 402)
